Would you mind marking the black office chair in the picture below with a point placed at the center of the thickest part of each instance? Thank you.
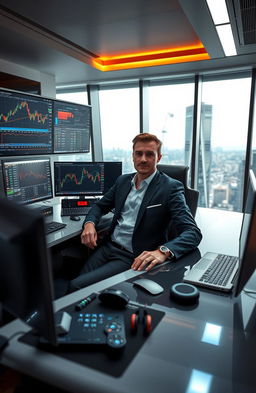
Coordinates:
(180, 172)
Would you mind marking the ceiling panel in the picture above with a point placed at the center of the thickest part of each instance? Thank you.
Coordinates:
(103, 27)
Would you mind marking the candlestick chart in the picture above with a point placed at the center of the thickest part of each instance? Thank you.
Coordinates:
(79, 178)
(25, 125)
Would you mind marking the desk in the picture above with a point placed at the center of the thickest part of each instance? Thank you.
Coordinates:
(201, 349)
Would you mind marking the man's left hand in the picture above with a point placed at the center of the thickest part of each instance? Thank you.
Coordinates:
(148, 259)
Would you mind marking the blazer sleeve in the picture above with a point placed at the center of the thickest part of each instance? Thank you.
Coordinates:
(186, 234)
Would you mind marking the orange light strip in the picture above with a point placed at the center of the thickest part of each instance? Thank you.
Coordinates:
(153, 58)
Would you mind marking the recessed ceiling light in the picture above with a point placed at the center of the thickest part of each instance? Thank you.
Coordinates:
(227, 40)
(218, 11)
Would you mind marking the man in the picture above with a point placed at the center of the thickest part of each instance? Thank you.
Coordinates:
(144, 204)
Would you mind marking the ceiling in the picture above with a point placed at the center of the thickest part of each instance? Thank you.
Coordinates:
(62, 38)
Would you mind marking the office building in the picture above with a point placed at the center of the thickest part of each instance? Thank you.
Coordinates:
(204, 163)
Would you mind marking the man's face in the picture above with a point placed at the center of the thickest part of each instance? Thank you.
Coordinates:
(145, 158)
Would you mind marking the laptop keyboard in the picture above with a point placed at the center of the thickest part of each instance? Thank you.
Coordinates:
(53, 226)
(220, 270)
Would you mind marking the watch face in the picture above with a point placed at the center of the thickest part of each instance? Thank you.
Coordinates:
(164, 249)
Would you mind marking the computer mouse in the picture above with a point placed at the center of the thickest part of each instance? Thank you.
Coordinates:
(113, 298)
(75, 218)
(150, 286)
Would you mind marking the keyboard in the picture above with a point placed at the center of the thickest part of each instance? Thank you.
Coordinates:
(75, 211)
(53, 226)
(96, 328)
(219, 272)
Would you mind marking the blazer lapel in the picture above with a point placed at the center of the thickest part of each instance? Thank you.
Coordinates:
(147, 197)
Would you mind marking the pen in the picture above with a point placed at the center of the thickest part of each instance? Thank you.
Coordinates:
(85, 301)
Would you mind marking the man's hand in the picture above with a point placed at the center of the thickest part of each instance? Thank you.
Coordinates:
(148, 259)
(89, 236)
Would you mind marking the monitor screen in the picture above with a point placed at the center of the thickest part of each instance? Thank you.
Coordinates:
(72, 127)
(26, 286)
(85, 178)
(247, 243)
(25, 124)
(78, 178)
(112, 170)
(28, 180)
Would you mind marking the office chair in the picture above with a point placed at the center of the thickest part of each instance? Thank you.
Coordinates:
(180, 172)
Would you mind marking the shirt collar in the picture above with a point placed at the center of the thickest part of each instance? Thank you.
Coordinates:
(147, 180)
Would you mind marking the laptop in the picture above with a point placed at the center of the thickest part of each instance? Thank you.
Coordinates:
(216, 271)
(219, 271)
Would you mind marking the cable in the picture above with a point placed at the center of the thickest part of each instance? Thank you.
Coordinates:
(4, 341)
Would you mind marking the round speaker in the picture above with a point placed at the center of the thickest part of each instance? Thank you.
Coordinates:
(184, 293)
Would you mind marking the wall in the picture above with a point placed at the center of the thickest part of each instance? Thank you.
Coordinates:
(48, 85)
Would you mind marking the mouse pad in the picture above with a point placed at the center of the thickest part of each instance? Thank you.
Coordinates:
(165, 275)
(101, 358)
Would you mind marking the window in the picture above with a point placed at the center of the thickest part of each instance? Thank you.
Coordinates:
(119, 112)
(168, 118)
(223, 136)
(79, 97)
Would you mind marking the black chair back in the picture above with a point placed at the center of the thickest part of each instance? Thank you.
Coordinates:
(180, 172)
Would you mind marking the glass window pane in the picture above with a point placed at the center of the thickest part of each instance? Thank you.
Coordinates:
(119, 112)
(79, 97)
(168, 119)
(223, 137)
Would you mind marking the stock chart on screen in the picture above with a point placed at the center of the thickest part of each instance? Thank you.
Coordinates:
(27, 181)
(25, 124)
(78, 178)
(72, 127)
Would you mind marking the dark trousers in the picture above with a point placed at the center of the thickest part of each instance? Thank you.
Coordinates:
(105, 262)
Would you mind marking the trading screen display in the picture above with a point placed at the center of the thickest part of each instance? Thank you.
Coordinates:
(27, 181)
(25, 124)
(78, 178)
(72, 127)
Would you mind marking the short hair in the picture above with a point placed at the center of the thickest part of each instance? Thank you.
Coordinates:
(146, 137)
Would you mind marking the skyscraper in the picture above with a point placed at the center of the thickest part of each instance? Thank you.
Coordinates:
(204, 165)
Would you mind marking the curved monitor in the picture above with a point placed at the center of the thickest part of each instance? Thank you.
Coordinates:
(26, 289)
(27, 180)
(247, 241)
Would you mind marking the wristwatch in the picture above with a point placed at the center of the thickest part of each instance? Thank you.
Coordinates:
(165, 250)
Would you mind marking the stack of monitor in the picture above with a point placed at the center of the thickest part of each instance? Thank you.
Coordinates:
(31, 124)
(29, 180)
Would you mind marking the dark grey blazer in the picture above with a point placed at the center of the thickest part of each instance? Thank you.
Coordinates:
(163, 204)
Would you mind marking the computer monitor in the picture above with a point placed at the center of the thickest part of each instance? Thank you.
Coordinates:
(247, 242)
(72, 127)
(26, 285)
(25, 124)
(85, 178)
(27, 180)
(112, 170)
